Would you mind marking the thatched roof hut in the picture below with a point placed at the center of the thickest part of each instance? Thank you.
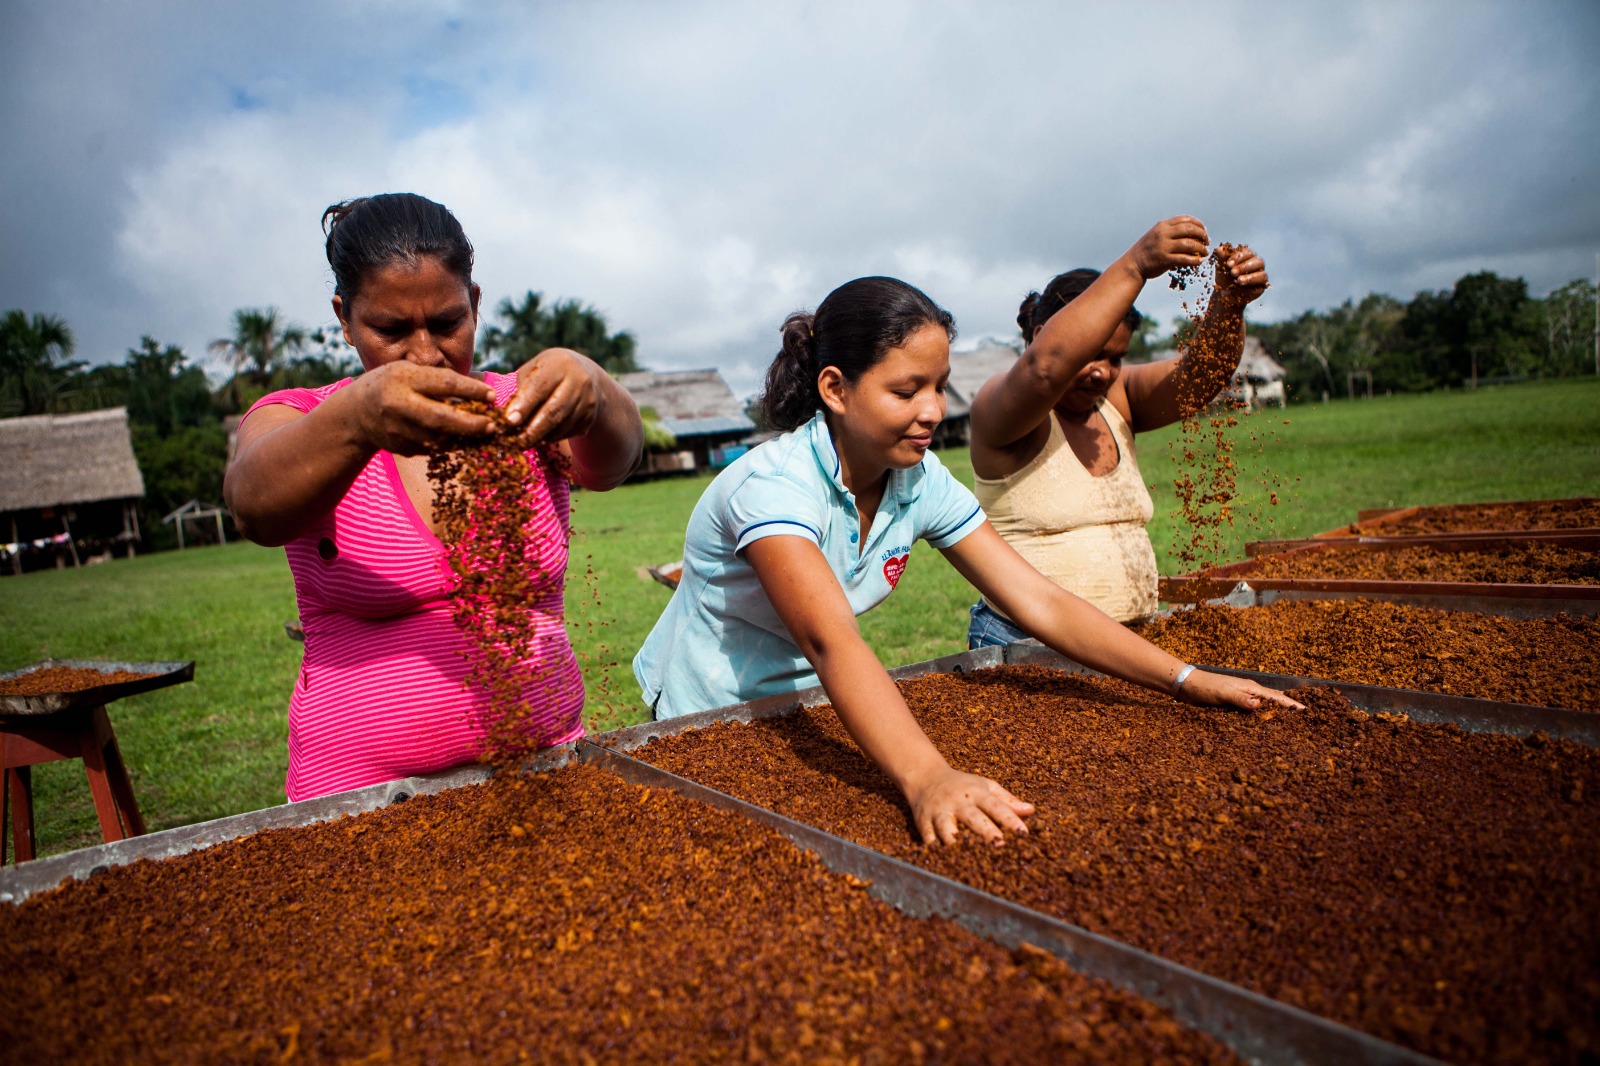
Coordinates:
(64, 476)
(1257, 364)
(689, 402)
(695, 406)
(60, 460)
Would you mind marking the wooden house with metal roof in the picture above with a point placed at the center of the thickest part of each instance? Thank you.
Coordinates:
(699, 409)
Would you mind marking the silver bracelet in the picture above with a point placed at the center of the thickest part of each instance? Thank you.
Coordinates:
(1183, 675)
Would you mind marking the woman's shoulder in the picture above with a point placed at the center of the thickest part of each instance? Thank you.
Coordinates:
(302, 400)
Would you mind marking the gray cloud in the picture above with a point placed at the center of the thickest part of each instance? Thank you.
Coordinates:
(698, 170)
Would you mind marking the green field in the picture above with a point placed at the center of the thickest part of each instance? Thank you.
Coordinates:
(217, 746)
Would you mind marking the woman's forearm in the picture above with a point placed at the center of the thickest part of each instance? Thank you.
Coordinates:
(604, 456)
(1075, 336)
(1085, 634)
(1070, 625)
(284, 478)
(1212, 354)
(874, 713)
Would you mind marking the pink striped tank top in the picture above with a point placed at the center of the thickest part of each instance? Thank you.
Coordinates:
(381, 690)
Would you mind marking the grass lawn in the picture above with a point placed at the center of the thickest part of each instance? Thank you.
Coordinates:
(217, 746)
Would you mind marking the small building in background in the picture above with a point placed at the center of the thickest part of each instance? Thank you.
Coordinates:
(1257, 382)
(1259, 379)
(699, 410)
(968, 371)
(69, 485)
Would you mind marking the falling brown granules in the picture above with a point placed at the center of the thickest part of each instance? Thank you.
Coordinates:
(52, 680)
(1432, 887)
(497, 544)
(1206, 485)
(1467, 518)
(562, 918)
(1552, 661)
(1515, 563)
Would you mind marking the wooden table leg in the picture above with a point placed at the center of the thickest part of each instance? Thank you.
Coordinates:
(121, 787)
(93, 730)
(19, 789)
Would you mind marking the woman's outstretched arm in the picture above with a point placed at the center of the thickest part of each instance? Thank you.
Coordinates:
(807, 596)
(1086, 634)
(1012, 405)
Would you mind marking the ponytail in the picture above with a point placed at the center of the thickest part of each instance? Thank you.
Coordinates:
(791, 396)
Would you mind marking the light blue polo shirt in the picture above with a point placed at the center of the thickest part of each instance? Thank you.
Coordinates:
(719, 640)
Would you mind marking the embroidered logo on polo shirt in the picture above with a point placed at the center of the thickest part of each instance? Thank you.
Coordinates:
(894, 567)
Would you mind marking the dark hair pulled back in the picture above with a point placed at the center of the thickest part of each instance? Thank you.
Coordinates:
(372, 232)
(853, 329)
(1037, 308)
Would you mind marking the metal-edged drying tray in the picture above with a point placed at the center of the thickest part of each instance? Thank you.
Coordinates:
(1259, 1028)
(160, 674)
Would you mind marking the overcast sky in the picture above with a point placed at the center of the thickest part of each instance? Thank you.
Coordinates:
(699, 170)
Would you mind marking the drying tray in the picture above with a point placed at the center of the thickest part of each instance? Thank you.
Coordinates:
(161, 676)
(1258, 1028)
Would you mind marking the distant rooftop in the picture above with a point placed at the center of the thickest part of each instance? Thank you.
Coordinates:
(969, 370)
(57, 460)
(689, 403)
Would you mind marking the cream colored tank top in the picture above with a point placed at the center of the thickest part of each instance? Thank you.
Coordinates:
(1085, 533)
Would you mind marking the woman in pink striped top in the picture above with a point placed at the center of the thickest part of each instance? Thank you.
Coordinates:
(338, 476)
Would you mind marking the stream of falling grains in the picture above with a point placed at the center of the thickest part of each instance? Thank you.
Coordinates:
(1206, 485)
(509, 561)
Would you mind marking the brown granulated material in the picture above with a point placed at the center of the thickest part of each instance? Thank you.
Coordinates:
(52, 680)
(1462, 518)
(1515, 563)
(494, 540)
(1550, 661)
(563, 918)
(1432, 887)
(1207, 483)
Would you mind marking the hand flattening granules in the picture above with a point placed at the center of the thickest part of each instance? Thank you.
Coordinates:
(55, 679)
(1548, 661)
(1432, 887)
(567, 917)
(1527, 564)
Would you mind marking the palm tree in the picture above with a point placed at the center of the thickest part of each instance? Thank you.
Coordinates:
(34, 364)
(261, 341)
(523, 335)
(530, 328)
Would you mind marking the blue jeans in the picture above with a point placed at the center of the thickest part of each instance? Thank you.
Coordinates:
(990, 628)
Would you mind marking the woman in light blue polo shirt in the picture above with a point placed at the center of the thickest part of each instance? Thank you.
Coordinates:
(814, 527)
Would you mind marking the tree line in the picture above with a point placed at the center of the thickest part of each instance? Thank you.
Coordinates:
(1485, 329)
(177, 418)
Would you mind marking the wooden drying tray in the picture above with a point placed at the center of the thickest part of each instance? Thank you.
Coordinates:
(1374, 521)
(1516, 600)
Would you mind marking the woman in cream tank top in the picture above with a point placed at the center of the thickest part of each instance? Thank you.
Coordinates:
(1053, 437)
(1083, 531)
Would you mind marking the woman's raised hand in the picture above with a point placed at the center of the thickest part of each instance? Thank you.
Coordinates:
(1243, 277)
(403, 408)
(954, 799)
(1177, 242)
(1220, 690)
(558, 395)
